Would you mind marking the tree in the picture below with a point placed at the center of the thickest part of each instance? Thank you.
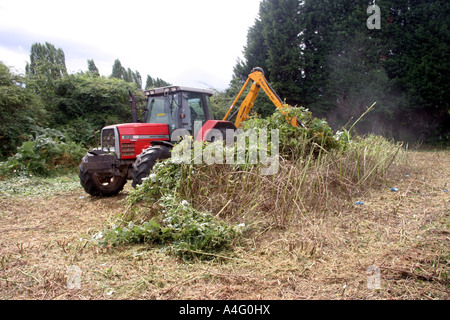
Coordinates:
(20, 111)
(401, 66)
(155, 83)
(92, 68)
(416, 60)
(255, 52)
(273, 44)
(343, 71)
(149, 83)
(119, 72)
(320, 23)
(47, 64)
(322, 55)
(46, 61)
(281, 29)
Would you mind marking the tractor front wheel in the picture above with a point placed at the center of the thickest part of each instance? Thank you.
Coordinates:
(100, 185)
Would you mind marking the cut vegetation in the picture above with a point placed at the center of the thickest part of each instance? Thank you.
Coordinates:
(299, 234)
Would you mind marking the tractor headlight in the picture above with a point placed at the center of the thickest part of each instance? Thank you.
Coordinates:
(110, 140)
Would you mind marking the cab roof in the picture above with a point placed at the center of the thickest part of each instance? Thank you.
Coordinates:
(162, 90)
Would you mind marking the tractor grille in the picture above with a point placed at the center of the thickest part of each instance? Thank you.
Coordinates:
(127, 149)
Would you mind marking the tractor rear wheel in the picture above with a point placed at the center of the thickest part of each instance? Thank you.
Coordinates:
(146, 160)
(100, 185)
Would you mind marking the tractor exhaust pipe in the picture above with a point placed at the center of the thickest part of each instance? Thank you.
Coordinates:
(133, 107)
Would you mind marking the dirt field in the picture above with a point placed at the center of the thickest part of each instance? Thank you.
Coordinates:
(397, 240)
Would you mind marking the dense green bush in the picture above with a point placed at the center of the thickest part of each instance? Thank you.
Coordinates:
(46, 152)
(81, 131)
(75, 104)
(98, 101)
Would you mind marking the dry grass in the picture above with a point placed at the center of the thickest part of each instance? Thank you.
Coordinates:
(315, 254)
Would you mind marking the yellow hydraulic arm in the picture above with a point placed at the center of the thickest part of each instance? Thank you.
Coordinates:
(259, 81)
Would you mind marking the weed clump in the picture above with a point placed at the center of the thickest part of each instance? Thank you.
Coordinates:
(157, 214)
(314, 135)
(185, 231)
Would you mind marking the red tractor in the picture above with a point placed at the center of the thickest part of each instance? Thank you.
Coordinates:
(129, 151)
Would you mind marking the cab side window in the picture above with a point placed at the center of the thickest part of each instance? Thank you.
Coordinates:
(193, 107)
(195, 103)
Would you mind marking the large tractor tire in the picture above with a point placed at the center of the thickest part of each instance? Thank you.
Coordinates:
(100, 185)
(146, 160)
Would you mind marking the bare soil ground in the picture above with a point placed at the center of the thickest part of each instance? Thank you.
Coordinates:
(405, 234)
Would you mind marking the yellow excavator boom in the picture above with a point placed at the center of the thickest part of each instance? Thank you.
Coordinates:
(258, 81)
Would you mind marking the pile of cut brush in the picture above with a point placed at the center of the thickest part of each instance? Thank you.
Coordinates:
(197, 209)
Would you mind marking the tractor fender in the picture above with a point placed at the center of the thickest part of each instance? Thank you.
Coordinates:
(162, 143)
(221, 125)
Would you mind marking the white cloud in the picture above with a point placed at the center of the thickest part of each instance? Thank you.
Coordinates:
(16, 58)
(177, 40)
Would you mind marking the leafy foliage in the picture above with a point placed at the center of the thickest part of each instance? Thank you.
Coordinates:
(164, 180)
(46, 63)
(316, 135)
(20, 110)
(184, 230)
(97, 101)
(45, 153)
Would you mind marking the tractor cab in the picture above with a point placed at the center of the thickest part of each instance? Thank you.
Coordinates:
(179, 107)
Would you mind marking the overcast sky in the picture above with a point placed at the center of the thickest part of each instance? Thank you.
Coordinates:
(185, 42)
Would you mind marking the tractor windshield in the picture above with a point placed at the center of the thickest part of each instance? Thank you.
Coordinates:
(162, 109)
